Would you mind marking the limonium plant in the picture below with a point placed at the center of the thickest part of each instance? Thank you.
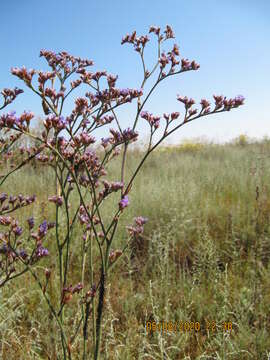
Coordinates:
(69, 146)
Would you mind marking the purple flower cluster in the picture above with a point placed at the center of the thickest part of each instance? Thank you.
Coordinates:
(84, 180)
(138, 227)
(140, 42)
(81, 106)
(205, 106)
(228, 104)
(111, 79)
(41, 252)
(163, 60)
(65, 61)
(4, 248)
(169, 32)
(129, 38)
(43, 77)
(171, 57)
(74, 84)
(11, 255)
(155, 30)
(57, 122)
(42, 229)
(68, 291)
(17, 230)
(84, 218)
(43, 158)
(124, 202)
(128, 135)
(31, 222)
(221, 103)
(120, 96)
(114, 255)
(185, 100)
(11, 202)
(93, 164)
(110, 187)
(152, 120)
(86, 77)
(83, 139)
(189, 65)
(3, 197)
(107, 119)
(57, 200)
(170, 117)
(10, 120)
(105, 142)
(13, 223)
(23, 74)
(23, 254)
(5, 220)
(77, 288)
(53, 96)
(97, 75)
(10, 95)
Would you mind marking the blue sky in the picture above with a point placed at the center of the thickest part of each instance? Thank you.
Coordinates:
(230, 40)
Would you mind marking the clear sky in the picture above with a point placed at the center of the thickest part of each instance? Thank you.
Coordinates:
(230, 39)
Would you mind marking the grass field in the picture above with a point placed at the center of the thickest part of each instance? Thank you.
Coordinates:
(204, 258)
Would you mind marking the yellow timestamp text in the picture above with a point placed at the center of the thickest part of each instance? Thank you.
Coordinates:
(188, 326)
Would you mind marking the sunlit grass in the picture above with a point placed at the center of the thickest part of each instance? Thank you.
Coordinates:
(205, 256)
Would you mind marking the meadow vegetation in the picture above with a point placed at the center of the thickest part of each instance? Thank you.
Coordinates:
(203, 257)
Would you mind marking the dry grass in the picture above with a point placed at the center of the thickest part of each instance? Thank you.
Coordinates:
(204, 257)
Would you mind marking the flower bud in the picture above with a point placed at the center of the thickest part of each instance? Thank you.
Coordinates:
(47, 273)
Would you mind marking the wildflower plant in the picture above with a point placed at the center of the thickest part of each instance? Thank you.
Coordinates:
(80, 162)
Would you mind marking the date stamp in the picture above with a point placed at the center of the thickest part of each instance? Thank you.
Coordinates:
(188, 326)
